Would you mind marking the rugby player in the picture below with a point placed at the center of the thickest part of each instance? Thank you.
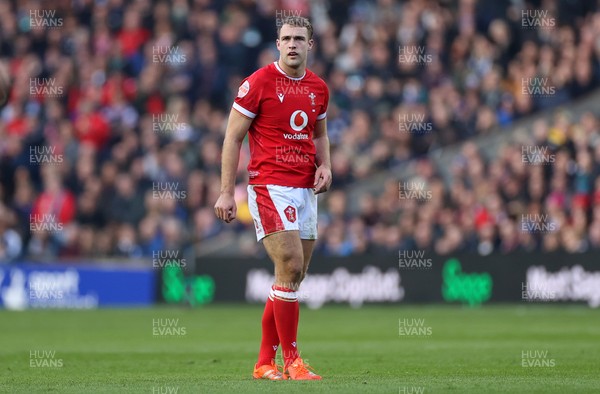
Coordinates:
(283, 108)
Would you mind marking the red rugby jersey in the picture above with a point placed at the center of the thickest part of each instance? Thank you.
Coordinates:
(285, 111)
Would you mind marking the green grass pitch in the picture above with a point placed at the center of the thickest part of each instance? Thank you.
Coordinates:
(213, 349)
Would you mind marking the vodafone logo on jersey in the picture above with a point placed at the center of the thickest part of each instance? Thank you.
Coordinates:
(294, 120)
(298, 122)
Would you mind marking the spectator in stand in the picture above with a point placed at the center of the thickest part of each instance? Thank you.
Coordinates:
(11, 243)
(54, 203)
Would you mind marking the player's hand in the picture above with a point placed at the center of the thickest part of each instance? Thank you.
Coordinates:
(323, 179)
(225, 208)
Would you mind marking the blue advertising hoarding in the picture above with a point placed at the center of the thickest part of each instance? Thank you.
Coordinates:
(24, 286)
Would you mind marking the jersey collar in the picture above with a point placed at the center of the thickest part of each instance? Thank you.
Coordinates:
(283, 72)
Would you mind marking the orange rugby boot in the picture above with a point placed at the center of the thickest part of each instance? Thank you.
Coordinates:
(300, 371)
(270, 372)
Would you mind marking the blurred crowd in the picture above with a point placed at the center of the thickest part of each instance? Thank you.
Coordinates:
(540, 193)
(112, 115)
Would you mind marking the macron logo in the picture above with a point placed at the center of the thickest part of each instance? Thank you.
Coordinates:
(281, 96)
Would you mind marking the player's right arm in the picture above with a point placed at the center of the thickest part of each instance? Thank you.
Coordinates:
(237, 127)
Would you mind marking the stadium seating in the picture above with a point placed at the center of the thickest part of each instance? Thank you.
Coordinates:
(115, 118)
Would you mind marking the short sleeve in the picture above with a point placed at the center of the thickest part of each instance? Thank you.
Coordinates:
(247, 101)
(323, 113)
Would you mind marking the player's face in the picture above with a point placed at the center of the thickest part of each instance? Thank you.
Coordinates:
(293, 45)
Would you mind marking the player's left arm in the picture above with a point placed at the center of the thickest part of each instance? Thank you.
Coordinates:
(323, 175)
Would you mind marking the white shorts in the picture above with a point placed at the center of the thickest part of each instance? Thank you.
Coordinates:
(283, 208)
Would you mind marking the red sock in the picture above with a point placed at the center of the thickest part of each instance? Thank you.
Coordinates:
(270, 339)
(286, 310)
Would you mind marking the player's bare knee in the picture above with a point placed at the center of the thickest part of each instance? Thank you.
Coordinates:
(287, 257)
(293, 273)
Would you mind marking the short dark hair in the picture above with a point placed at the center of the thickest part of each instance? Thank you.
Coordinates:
(297, 21)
